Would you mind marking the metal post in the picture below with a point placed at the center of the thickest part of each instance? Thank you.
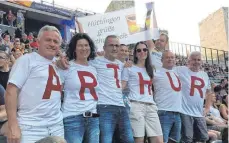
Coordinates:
(182, 50)
(178, 48)
(217, 54)
(224, 57)
(211, 56)
(205, 51)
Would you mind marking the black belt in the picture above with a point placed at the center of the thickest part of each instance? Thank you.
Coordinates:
(90, 115)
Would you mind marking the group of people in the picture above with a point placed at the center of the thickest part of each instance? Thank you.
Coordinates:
(83, 96)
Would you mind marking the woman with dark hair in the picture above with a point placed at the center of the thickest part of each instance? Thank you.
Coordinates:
(143, 112)
(223, 108)
(80, 87)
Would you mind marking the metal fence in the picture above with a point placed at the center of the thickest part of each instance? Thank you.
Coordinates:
(209, 55)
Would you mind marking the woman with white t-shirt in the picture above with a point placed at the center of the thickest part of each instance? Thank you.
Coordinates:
(143, 112)
(81, 122)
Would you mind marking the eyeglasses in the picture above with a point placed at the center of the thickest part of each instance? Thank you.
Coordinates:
(111, 45)
(144, 50)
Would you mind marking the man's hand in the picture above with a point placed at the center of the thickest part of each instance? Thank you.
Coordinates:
(128, 64)
(13, 134)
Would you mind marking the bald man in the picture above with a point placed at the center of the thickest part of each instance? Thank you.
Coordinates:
(168, 98)
(195, 89)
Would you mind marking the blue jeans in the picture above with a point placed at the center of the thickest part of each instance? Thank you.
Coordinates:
(171, 125)
(112, 117)
(78, 129)
(2, 94)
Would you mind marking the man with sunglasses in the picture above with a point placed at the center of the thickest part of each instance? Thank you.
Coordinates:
(157, 49)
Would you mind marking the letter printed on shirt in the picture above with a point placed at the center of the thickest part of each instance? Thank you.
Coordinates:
(84, 84)
(198, 87)
(172, 84)
(50, 86)
(142, 82)
(115, 67)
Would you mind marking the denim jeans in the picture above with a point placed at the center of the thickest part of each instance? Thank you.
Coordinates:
(78, 129)
(2, 94)
(112, 117)
(171, 125)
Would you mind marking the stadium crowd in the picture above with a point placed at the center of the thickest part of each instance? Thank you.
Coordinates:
(147, 94)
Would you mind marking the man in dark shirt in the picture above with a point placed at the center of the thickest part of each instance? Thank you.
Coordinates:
(25, 40)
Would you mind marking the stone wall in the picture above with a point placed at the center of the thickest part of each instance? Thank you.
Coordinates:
(118, 5)
(214, 30)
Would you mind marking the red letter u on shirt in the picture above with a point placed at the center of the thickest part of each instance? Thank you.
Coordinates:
(198, 87)
(91, 86)
(172, 84)
(142, 82)
(115, 68)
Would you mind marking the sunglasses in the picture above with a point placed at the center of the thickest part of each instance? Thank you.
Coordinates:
(144, 50)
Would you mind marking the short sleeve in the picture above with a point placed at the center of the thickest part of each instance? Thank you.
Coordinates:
(93, 62)
(125, 74)
(20, 71)
(62, 74)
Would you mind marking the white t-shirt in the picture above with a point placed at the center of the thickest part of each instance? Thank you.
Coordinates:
(109, 78)
(194, 87)
(139, 83)
(156, 59)
(215, 112)
(39, 99)
(167, 90)
(80, 89)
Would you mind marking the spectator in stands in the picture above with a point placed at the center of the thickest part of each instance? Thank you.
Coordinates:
(4, 68)
(217, 90)
(224, 107)
(32, 105)
(17, 53)
(3, 116)
(143, 112)
(81, 120)
(10, 17)
(30, 37)
(223, 82)
(34, 43)
(7, 41)
(168, 98)
(157, 49)
(195, 88)
(214, 119)
(25, 40)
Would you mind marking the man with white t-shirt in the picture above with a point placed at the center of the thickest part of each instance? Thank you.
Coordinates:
(195, 88)
(157, 49)
(110, 104)
(33, 94)
(167, 95)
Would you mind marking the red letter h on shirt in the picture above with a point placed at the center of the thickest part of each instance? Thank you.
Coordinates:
(142, 82)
